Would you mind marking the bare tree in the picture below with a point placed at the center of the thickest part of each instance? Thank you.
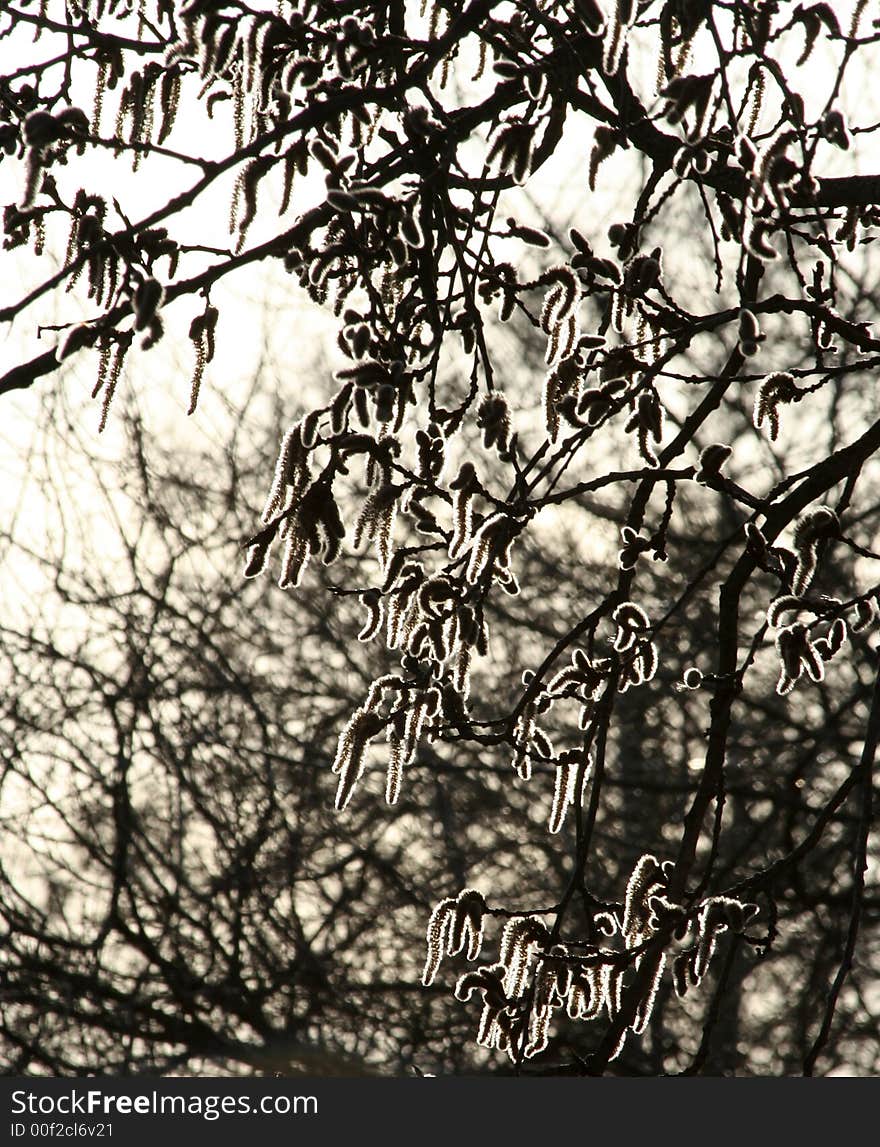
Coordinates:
(619, 482)
(176, 891)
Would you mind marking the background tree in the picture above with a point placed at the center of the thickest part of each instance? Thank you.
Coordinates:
(631, 609)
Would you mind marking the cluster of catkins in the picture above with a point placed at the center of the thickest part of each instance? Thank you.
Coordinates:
(537, 974)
